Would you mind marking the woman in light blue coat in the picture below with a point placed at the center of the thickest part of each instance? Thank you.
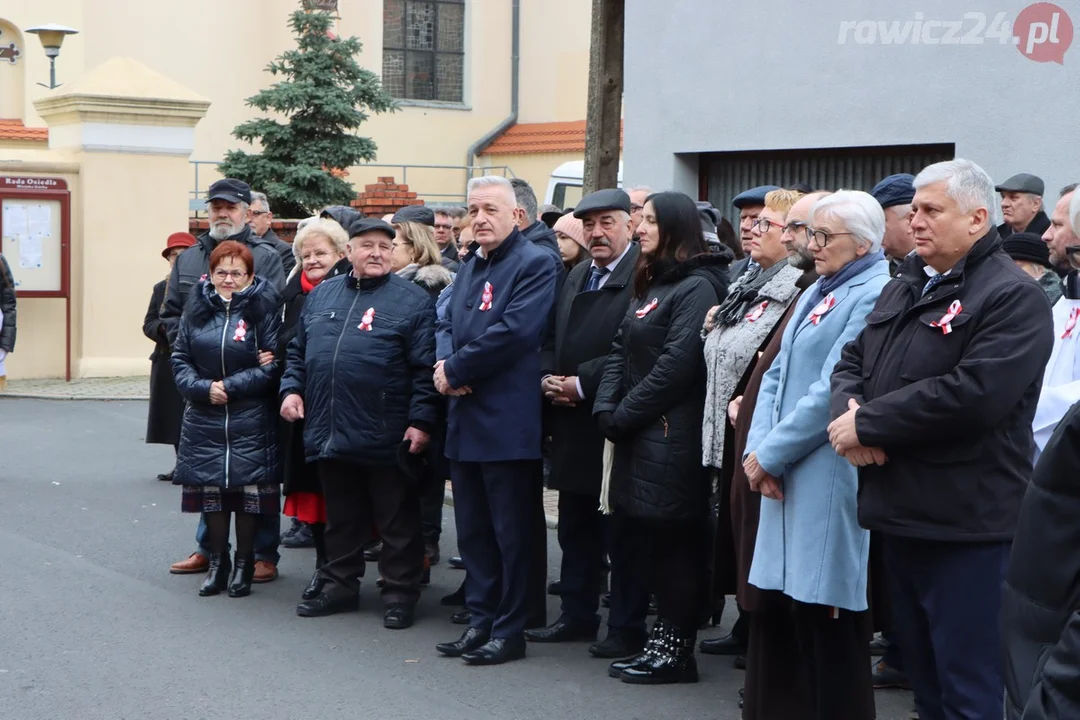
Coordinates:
(809, 544)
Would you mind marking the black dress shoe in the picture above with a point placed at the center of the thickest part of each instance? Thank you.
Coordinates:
(618, 645)
(564, 630)
(461, 618)
(555, 588)
(469, 641)
(330, 601)
(455, 598)
(456, 562)
(496, 652)
(399, 616)
(166, 477)
(314, 587)
(727, 645)
(372, 553)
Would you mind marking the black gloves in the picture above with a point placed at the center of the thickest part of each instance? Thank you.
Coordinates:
(605, 421)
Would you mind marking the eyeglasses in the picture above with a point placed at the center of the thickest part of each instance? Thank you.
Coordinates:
(764, 225)
(822, 237)
(794, 227)
(634, 207)
(234, 274)
(257, 213)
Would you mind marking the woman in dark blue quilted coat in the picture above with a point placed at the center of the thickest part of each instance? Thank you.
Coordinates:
(227, 462)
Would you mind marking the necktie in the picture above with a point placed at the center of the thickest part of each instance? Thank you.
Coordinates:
(595, 274)
(932, 283)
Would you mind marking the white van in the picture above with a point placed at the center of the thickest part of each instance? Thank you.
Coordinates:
(564, 186)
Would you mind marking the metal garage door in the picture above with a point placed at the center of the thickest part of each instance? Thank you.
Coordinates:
(725, 175)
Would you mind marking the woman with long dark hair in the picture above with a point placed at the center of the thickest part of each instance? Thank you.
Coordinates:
(650, 405)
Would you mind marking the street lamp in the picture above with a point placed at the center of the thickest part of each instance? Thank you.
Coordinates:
(51, 37)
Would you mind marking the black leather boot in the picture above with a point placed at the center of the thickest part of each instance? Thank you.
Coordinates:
(672, 662)
(615, 669)
(243, 572)
(217, 575)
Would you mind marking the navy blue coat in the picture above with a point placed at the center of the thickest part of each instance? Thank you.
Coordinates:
(234, 444)
(496, 352)
(363, 388)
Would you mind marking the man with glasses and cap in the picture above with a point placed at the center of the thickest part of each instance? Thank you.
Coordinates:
(229, 201)
(1022, 205)
(588, 313)
(750, 203)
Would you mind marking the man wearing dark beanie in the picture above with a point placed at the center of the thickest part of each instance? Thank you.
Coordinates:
(1032, 256)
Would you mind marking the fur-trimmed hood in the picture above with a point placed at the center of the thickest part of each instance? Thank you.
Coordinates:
(432, 278)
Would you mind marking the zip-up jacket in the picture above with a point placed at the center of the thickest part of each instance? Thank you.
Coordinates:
(362, 361)
(234, 444)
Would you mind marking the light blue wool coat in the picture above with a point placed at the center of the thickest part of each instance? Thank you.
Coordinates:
(810, 545)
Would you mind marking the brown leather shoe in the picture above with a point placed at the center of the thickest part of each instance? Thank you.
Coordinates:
(265, 571)
(195, 563)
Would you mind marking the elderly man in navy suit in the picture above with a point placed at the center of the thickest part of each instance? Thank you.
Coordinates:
(497, 317)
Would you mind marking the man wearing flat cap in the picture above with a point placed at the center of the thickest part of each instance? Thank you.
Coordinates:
(359, 374)
(1021, 205)
(229, 201)
(895, 194)
(750, 204)
(589, 310)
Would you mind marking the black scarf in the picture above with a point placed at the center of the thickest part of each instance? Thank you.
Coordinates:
(744, 294)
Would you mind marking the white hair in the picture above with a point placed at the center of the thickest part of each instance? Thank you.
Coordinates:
(639, 188)
(860, 213)
(1074, 212)
(966, 183)
(492, 181)
(260, 197)
(901, 211)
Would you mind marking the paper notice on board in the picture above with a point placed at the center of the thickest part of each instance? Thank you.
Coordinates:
(39, 221)
(30, 252)
(14, 219)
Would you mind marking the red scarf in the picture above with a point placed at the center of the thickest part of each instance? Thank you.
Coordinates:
(306, 284)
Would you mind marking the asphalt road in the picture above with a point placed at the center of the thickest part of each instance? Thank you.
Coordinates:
(93, 626)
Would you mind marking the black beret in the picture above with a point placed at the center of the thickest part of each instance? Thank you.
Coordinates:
(363, 225)
(895, 190)
(753, 196)
(230, 190)
(1027, 246)
(1023, 182)
(612, 199)
(415, 213)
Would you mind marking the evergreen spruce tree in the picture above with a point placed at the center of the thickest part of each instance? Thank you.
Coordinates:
(324, 96)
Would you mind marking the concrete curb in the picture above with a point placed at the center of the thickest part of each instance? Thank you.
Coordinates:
(48, 396)
(552, 521)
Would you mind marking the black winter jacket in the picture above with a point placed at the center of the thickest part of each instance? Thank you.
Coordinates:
(654, 383)
(234, 444)
(953, 410)
(362, 362)
(1041, 602)
(284, 250)
(194, 265)
(7, 306)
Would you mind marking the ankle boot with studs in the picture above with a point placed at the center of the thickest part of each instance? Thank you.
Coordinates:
(672, 662)
(616, 669)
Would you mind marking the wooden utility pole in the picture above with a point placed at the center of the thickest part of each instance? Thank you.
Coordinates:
(603, 128)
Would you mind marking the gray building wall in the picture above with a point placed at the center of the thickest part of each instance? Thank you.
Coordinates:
(716, 75)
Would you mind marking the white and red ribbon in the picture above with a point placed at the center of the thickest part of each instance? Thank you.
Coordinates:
(241, 331)
(486, 298)
(365, 322)
(757, 312)
(945, 323)
(823, 307)
(647, 308)
(1073, 316)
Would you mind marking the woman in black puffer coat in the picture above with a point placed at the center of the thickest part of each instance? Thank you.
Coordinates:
(650, 405)
(227, 462)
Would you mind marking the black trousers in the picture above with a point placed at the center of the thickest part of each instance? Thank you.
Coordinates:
(834, 650)
(431, 509)
(631, 567)
(494, 507)
(947, 613)
(361, 497)
(583, 532)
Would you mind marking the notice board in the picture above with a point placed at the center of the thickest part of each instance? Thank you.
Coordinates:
(34, 234)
